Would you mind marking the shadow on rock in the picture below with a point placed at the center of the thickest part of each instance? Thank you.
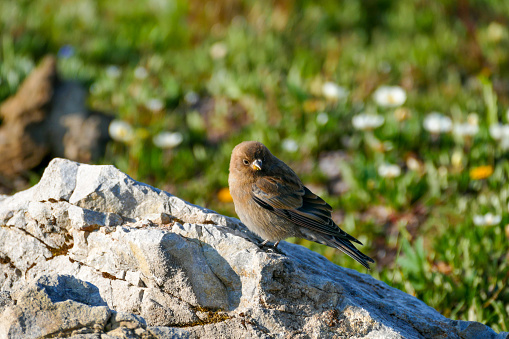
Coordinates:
(66, 287)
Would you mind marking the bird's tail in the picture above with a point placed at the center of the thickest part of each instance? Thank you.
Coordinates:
(342, 244)
(347, 247)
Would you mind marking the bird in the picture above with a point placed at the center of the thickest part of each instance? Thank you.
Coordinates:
(272, 202)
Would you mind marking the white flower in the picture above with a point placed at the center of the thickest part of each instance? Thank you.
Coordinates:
(413, 164)
(487, 220)
(113, 71)
(366, 121)
(473, 119)
(499, 131)
(322, 118)
(504, 144)
(389, 171)
(191, 98)
(140, 73)
(333, 91)
(389, 96)
(168, 139)
(218, 50)
(154, 105)
(496, 32)
(465, 129)
(121, 131)
(436, 123)
(290, 145)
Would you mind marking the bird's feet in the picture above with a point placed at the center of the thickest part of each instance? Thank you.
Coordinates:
(270, 246)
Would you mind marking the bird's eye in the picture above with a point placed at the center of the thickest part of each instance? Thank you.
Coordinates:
(245, 162)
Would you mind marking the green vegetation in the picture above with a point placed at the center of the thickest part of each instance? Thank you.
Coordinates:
(216, 73)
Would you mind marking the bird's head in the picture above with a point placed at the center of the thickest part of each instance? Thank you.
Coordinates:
(250, 158)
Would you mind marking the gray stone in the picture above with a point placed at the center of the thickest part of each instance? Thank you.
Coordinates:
(47, 307)
(90, 253)
(21, 249)
(127, 320)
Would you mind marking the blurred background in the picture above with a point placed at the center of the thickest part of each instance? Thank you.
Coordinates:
(395, 112)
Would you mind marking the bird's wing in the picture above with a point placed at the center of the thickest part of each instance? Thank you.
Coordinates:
(295, 202)
(278, 193)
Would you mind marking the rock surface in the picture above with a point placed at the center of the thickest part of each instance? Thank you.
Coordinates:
(90, 253)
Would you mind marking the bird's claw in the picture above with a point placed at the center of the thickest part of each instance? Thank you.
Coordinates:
(270, 246)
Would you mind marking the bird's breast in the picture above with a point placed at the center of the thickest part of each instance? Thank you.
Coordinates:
(259, 220)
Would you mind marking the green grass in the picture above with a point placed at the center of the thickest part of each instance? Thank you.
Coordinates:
(449, 57)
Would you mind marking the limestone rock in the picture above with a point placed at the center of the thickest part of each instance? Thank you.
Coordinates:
(54, 305)
(89, 252)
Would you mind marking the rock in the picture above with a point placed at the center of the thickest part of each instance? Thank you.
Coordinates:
(54, 304)
(22, 141)
(89, 252)
(48, 117)
(74, 131)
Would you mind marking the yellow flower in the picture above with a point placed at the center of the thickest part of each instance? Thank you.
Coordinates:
(311, 106)
(224, 195)
(481, 172)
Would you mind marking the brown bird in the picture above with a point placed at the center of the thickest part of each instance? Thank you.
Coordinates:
(272, 202)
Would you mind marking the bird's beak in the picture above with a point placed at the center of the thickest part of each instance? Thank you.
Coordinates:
(257, 165)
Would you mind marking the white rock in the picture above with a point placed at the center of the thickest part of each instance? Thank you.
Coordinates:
(76, 262)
